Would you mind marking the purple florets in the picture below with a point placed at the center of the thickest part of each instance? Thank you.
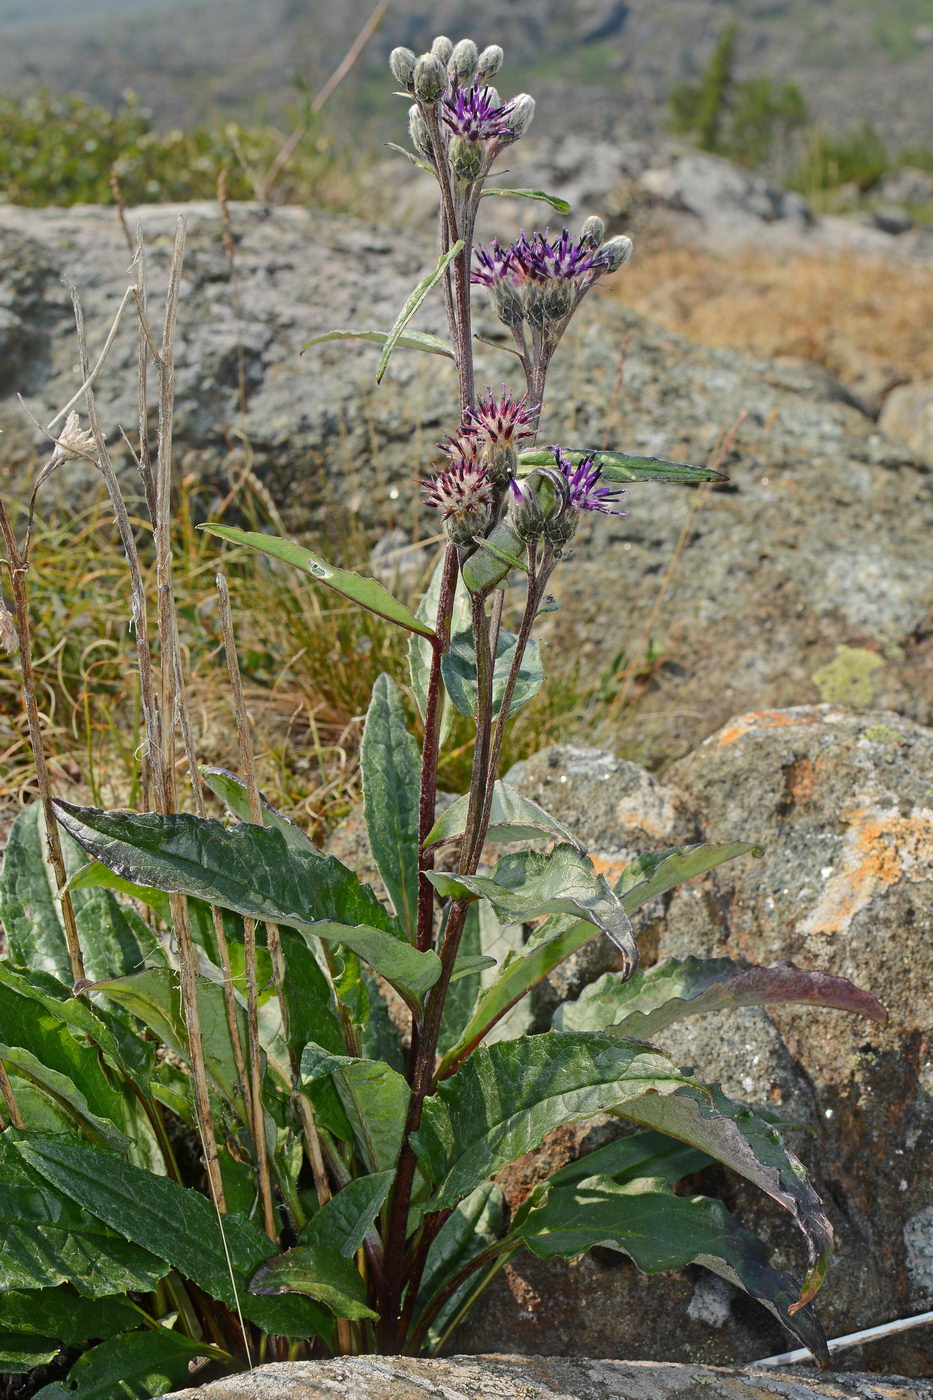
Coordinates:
(477, 114)
(493, 264)
(563, 259)
(503, 420)
(583, 481)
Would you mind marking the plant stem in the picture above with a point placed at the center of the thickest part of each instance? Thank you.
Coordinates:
(429, 755)
(484, 673)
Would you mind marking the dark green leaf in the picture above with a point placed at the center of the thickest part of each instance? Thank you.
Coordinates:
(311, 1014)
(413, 302)
(458, 668)
(20, 1354)
(619, 466)
(501, 551)
(508, 1096)
(411, 340)
(367, 592)
(374, 1097)
(232, 792)
(176, 1224)
(113, 939)
(343, 1222)
(704, 1117)
(46, 1239)
(640, 1154)
(562, 881)
(391, 770)
(659, 1231)
(65, 1315)
(473, 1226)
(319, 1273)
(512, 818)
(560, 205)
(673, 990)
(136, 1366)
(253, 870)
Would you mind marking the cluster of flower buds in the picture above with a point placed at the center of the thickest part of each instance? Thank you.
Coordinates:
(452, 82)
(542, 280)
(546, 504)
(483, 460)
(463, 493)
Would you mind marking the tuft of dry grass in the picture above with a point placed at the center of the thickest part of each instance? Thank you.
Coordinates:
(841, 312)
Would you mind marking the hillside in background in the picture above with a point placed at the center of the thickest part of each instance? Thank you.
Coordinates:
(607, 66)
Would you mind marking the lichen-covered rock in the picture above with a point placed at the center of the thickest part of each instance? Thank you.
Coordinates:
(541, 1378)
(908, 414)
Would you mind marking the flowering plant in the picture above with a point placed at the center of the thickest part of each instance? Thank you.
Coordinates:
(349, 1058)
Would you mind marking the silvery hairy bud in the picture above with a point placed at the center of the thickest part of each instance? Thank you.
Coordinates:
(489, 63)
(500, 461)
(593, 231)
(466, 157)
(443, 48)
(418, 133)
(461, 66)
(616, 252)
(509, 306)
(402, 62)
(430, 78)
(522, 114)
(525, 515)
(558, 301)
(533, 303)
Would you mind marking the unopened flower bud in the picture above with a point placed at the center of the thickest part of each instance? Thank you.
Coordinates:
(489, 63)
(509, 306)
(443, 48)
(534, 303)
(418, 133)
(492, 96)
(430, 78)
(522, 114)
(500, 461)
(593, 231)
(525, 515)
(558, 301)
(616, 252)
(461, 66)
(402, 62)
(466, 157)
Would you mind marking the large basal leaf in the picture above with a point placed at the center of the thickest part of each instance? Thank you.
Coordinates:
(64, 1315)
(561, 881)
(640, 1154)
(673, 990)
(411, 340)
(391, 770)
(311, 1015)
(458, 668)
(253, 871)
(113, 939)
(413, 302)
(176, 1224)
(472, 1226)
(367, 592)
(233, 793)
(659, 1231)
(343, 1222)
(619, 466)
(374, 1097)
(508, 1096)
(136, 1366)
(512, 818)
(319, 1273)
(501, 551)
(20, 1354)
(704, 1117)
(554, 200)
(47, 1239)
(421, 652)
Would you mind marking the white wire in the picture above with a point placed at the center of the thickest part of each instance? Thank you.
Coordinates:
(854, 1339)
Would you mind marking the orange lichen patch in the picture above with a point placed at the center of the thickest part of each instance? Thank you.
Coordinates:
(800, 781)
(761, 719)
(880, 848)
(610, 866)
(655, 818)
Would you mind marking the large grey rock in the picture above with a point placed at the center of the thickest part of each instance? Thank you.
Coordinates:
(541, 1378)
(907, 414)
(819, 544)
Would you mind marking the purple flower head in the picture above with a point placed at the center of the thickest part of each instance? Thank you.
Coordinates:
(583, 480)
(477, 114)
(494, 264)
(563, 259)
(462, 493)
(503, 420)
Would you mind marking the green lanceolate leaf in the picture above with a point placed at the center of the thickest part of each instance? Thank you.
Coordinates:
(64, 1314)
(508, 1096)
(367, 592)
(113, 939)
(500, 552)
(704, 1117)
(474, 1225)
(412, 304)
(639, 1155)
(319, 1273)
(343, 1222)
(176, 1224)
(555, 202)
(653, 874)
(562, 881)
(232, 792)
(391, 771)
(20, 1354)
(619, 466)
(411, 340)
(458, 668)
(253, 871)
(311, 1012)
(659, 1231)
(136, 1366)
(513, 818)
(47, 1239)
(409, 155)
(673, 990)
(374, 1098)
